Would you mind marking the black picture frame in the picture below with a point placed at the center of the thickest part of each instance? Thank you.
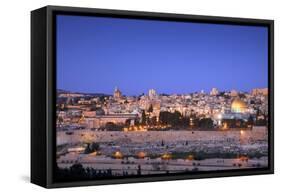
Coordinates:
(43, 93)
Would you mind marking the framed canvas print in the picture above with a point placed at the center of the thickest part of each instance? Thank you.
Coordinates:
(125, 96)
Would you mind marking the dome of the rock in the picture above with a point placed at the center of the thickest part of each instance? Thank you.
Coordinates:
(238, 106)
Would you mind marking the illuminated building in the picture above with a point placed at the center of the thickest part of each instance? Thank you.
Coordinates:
(239, 111)
(233, 93)
(238, 106)
(260, 91)
(152, 94)
(117, 93)
(214, 92)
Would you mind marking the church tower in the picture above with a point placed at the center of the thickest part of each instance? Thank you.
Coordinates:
(117, 93)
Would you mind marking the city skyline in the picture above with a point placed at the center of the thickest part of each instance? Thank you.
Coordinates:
(95, 55)
(159, 92)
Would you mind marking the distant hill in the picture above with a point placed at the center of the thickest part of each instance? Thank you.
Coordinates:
(61, 91)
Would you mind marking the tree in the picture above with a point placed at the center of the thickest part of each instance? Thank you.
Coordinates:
(137, 121)
(150, 109)
(173, 119)
(164, 117)
(185, 121)
(139, 170)
(153, 120)
(176, 117)
(250, 120)
(258, 113)
(110, 126)
(77, 170)
(87, 149)
(93, 147)
(261, 122)
(234, 123)
(128, 122)
(143, 117)
(206, 123)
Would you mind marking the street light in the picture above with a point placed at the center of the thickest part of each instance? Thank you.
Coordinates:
(118, 155)
(141, 154)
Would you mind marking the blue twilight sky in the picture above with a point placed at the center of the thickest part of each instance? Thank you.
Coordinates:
(96, 54)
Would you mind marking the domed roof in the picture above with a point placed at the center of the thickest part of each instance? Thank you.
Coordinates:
(117, 90)
(238, 106)
(117, 93)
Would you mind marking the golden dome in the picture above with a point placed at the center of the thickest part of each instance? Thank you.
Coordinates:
(238, 106)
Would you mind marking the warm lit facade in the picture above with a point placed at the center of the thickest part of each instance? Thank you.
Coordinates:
(260, 91)
(238, 106)
(214, 92)
(117, 93)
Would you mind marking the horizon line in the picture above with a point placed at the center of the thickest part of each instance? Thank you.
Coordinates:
(168, 93)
